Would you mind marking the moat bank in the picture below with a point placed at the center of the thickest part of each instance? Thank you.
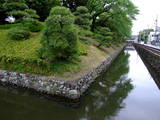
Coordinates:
(125, 92)
(71, 89)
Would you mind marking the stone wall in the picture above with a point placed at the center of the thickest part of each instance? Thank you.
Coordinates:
(69, 89)
(151, 59)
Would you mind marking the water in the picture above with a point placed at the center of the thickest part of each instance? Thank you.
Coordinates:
(125, 92)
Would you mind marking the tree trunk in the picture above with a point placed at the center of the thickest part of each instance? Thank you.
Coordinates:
(93, 23)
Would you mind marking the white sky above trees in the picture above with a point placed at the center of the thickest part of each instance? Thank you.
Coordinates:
(149, 11)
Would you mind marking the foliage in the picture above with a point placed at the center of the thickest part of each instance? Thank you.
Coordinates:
(25, 49)
(18, 13)
(144, 34)
(85, 33)
(16, 9)
(31, 21)
(2, 12)
(42, 7)
(12, 5)
(83, 49)
(82, 17)
(103, 36)
(32, 13)
(73, 4)
(22, 56)
(117, 15)
(34, 25)
(60, 38)
(19, 33)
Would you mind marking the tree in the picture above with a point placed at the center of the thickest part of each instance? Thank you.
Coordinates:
(144, 34)
(42, 7)
(82, 17)
(2, 12)
(32, 13)
(104, 36)
(31, 21)
(112, 7)
(73, 4)
(60, 38)
(16, 8)
(117, 15)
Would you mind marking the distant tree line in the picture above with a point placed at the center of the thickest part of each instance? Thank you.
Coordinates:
(144, 35)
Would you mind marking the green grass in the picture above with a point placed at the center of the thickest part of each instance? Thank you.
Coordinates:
(22, 56)
(25, 49)
(8, 26)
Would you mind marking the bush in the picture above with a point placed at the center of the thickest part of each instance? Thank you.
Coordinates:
(19, 33)
(32, 13)
(42, 7)
(33, 25)
(12, 5)
(104, 36)
(60, 38)
(82, 17)
(16, 9)
(31, 21)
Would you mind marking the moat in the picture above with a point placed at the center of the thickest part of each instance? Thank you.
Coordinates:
(126, 91)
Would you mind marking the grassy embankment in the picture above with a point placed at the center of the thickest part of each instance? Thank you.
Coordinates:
(22, 56)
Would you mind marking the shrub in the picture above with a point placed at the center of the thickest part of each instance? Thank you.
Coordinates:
(60, 38)
(12, 5)
(18, 14)
(19, 33)
(33, 25)
(82, 17)
(16, 9)
(104, 36)
(31, 21)
(32, 13)
(85, 33)
(42, 7)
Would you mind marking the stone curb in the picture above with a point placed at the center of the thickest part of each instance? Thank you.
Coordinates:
(69, 89)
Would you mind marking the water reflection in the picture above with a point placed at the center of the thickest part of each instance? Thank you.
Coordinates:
(111, 97)
(106, 96)
(101, 102)
(152, 71)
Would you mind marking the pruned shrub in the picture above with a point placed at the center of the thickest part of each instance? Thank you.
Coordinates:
(104, 36)
(33, 25)
(60, 38)
(16, 9)
(31, 21)
(32, 13)
(82, 17)
(19, 33)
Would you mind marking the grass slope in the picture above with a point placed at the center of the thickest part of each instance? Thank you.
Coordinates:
(27, 50)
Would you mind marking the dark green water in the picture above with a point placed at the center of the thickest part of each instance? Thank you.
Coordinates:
(125, 92)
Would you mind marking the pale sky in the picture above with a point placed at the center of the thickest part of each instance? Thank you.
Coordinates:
(149, 11)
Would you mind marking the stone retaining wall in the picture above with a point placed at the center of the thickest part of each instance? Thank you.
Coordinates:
(150, 58)
(69, 89)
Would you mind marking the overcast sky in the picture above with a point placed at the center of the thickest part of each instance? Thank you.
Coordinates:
(149, 11)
